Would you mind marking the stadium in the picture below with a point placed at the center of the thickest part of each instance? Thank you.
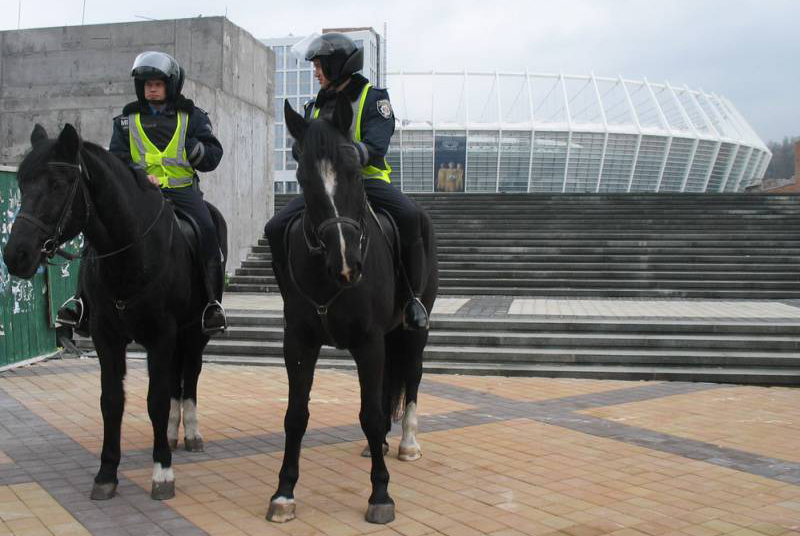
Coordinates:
(525, 132)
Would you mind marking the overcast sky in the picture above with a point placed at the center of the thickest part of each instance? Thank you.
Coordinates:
(746, 50)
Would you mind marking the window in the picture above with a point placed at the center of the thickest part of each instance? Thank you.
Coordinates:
(583, 169)
(291, 83)
(279, 76)
(737, 169)
(280, 53)
(700, 166)
(720, 167)
(305, 82)
(618, 163)
(549, 160)
(277, 160)
(675, 170)
(515, 154)
(417, 160)
(482, 161)
(648, 165)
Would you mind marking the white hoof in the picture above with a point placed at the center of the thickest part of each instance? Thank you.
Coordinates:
(409, 453)
(281, 510)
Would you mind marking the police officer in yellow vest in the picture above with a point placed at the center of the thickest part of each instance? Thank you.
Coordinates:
(166, 136)
(337, 61)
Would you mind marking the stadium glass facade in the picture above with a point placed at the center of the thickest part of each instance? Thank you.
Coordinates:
(521, 132)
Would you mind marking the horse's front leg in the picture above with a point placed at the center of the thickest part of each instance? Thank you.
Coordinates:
(111, 352)
(300, 357)
(369, 358)
(159, 364)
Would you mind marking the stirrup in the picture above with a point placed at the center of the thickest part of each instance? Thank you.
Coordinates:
(214, 329)
(69, 322)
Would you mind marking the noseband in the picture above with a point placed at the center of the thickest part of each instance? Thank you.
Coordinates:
(319, 230)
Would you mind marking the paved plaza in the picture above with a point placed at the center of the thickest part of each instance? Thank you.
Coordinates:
(501, 456)
(601, 308)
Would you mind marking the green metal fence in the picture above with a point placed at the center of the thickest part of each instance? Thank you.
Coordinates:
(27, 308)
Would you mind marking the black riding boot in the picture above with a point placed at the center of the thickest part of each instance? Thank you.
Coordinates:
(414, 314)
(214, 319)
(74, 314)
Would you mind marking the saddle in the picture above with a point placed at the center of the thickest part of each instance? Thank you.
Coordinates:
(190, 230)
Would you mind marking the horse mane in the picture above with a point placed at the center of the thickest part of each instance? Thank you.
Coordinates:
(322, 140)
(115, 167)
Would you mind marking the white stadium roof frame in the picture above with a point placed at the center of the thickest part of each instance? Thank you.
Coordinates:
(655, 113)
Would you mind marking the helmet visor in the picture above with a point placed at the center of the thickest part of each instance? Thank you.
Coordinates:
(149, 64)
(313, 46)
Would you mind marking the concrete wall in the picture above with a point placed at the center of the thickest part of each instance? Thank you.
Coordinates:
(81, 75)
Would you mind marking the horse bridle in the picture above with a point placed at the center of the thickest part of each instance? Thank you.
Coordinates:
(319, 249)
(51, 246)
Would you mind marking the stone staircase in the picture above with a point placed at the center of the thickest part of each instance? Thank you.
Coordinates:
(727, 351)
(726, 246)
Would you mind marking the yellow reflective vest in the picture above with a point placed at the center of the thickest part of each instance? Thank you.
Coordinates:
(368, 172)
(170, 166)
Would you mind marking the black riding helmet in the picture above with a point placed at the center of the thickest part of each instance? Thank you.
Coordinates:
(157, 65)
(338, 55)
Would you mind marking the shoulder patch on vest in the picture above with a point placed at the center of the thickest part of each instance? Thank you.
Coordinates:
(385, 108)
(123, 122)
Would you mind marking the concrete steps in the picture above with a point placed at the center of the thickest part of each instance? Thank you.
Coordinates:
(616, 245)
(720, 351)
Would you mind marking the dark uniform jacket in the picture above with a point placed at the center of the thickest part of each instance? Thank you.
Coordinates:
(377, 121)
(203, 149)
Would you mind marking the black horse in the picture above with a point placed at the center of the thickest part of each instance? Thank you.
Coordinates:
(341, 288)
(139, 281)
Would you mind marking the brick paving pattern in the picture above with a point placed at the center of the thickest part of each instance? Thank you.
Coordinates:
(501, 456)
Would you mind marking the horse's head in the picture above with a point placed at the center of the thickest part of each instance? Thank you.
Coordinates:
(51, 212)
(330, 175)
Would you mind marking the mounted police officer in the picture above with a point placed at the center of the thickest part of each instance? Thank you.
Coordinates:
(337, 60)
(164, 135)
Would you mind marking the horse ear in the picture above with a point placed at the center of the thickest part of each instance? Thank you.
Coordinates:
(38, 134)
(294, 122)
(343, 115)
(69, 141)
